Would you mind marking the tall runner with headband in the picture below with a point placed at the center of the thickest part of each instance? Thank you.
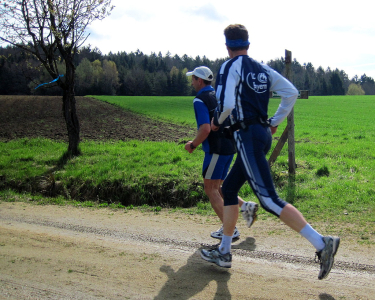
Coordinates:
(242, 90)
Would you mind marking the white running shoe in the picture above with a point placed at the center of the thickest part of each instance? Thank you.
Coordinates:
(250, 213)
(218, 234)
(214, 256)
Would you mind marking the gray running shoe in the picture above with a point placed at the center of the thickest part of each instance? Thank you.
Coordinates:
(250, 213)
(214, 256)
(326, 256)
(218, 234)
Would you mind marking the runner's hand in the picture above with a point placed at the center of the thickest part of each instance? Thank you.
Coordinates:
(188, 148)
(213, 126)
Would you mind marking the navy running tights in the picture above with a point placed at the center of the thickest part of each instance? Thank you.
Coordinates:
(251, 165)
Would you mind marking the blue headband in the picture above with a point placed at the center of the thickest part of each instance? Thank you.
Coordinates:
(236, 43)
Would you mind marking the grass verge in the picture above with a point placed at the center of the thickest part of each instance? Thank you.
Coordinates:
(163, 175)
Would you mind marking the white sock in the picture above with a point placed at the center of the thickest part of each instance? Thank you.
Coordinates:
(243, 206)
(226, 244)
(314, 237)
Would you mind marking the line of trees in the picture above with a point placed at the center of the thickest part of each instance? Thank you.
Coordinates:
(138, 74)
(320, 82)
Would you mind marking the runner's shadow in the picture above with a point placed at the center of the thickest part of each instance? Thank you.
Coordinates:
(193, 278)
(248, 244)
(325, 296)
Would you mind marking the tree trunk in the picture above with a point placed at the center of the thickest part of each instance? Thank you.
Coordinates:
(70, 113)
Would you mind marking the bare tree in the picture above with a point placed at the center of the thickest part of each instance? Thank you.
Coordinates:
(53, 31)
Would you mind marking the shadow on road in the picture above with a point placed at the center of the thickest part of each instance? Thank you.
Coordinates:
(193, 278)
(248, 244)
(197, 274)
(325, 296)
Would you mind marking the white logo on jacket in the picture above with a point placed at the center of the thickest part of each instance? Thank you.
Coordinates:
(257, 82)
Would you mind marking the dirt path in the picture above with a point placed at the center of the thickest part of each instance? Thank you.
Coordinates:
(52, 252)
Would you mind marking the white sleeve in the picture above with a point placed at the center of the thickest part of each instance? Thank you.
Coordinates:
(229, 90)
(288, 94)
(224, 115)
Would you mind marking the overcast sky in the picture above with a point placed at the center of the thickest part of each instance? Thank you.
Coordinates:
(330, 33)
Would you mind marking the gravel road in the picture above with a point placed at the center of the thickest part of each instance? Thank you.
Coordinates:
(64, 252)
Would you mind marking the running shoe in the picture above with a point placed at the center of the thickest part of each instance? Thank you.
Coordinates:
(326, 256)
(218, 234)
(250, 213)
(214, 256)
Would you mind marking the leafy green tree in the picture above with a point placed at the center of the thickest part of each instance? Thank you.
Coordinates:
(84, 77)
(278, 65)
(336, 84)
(187, 62)
(306, 82)
(14, 76)
(158, 83)
(97, 76)
(152, 63)
(173, 82)
(206, 62)
(368, 84)
(110, 80)
(53, 30)
(137, 83)
(168, 61)
(345, 79)
(325, 90)
(355, 79)
(321, 85)
(297, 74)
(310, 81)
(182, 83)
(198, 61)
(145, 63)
(355, 89)
(88, 53)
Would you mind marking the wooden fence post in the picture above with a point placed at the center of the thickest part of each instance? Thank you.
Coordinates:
(288, 133)
(278, 147)
(290, 124)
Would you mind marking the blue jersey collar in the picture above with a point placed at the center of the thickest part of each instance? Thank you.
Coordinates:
(205, 89)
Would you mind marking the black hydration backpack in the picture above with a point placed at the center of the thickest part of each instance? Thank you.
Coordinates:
(219, 144)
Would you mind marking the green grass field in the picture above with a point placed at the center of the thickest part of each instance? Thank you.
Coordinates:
(334, 155)
(172, 109)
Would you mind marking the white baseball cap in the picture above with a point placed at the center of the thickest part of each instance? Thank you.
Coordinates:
(202, 72)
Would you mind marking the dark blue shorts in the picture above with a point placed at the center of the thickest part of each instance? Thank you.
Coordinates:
(252, 166)
(216, 166)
